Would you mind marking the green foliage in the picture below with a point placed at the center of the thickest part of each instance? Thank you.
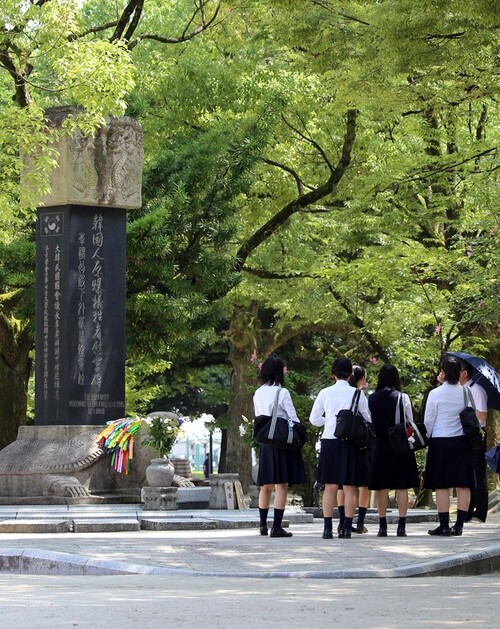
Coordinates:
(399, 262)
(394, 245)
(181, 245)
(47, 66)
(143, 386)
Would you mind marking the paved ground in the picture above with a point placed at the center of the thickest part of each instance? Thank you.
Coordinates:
(227, 577)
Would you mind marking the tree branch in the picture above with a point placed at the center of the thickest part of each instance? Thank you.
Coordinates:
(449, 168)
(358, 322)
(431, 36)
(311, 141)
(94, 29)
(128, 17)
(302, 201)
(134, 22)
(205, 24)
(22, 96)
(295, 175)
(271, 340)
(271, 275)
(350, 18)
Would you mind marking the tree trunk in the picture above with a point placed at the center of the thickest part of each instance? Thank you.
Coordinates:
(238, 457)
(242, 335)
(15, 367)
(222, 467)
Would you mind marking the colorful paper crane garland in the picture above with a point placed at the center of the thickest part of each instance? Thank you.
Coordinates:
(117, 439)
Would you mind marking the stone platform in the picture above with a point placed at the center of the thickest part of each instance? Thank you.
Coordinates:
(132, 517)
(120, 517)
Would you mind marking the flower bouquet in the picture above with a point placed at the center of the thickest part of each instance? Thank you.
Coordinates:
(162, 430)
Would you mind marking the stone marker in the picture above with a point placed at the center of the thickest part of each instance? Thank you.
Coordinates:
(218, 496)
(80, 278)
(80, 316)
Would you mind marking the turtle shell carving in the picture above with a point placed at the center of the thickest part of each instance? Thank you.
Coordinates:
(51, 456)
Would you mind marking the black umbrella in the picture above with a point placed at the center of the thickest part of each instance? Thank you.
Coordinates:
(483, 374)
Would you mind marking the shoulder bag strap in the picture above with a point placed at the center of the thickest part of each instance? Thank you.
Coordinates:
(403, 409)
(276, 400)
(468, 399)
(355, 401)
(409, 422)
(274, 416)
(399, 409)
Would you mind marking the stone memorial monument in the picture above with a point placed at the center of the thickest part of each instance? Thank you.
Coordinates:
(80, 318)
(80, 271)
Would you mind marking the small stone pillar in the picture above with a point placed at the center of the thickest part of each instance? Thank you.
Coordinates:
(159, 498)
(218, 491)
(254, 496)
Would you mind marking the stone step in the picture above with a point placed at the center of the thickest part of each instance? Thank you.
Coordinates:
(55, 525)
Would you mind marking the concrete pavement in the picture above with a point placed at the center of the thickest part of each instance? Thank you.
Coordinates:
(227, 575)
(124, 539)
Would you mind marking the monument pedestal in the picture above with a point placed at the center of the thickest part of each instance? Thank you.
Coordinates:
(159, 498)
(65, 465)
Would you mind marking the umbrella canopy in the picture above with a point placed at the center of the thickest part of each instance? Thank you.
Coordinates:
(493, 459)
(483, 374)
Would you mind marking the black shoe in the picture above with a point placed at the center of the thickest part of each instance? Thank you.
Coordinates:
(456, 530)
(345, 534)
(382, 532)
(442, 531)
(280, 532)
(340, 527)
(359, 529)
(263, 530)
(401, 532)
(327, 534)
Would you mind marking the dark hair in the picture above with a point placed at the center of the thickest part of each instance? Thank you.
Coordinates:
(465, 366)
(358, 373)
(342, 368)
(452, 368)
(272, 371)
(388, 376)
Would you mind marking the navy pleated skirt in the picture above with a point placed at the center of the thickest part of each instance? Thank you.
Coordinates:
(389, 471)
(449, 463)
(340, 463)
(280, 466)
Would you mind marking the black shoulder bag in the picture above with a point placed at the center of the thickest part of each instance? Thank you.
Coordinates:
(397, 433)
(278, 432)
(470, 422)
(400, 442)
(353, 427)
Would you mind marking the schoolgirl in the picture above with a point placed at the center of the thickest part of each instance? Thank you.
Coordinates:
(278, 468)
(389, 471)
(449, 457)
(340, 463)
